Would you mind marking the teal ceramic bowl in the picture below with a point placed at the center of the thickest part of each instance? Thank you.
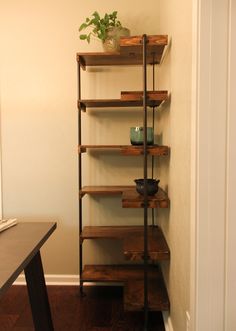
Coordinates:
(136, 135)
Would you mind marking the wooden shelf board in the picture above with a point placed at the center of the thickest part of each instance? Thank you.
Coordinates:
(131, 199)
(104, 190)
(138, 95)
(157, 246)
(155, 46)
(106, 59)
(110, 103)
(157, 295)
(154, 150)
(130, 52)
(83, 148)
(117, 272)
(108, 232)
(131, 276)
(133, 242)
(111, 273)
(128, 149)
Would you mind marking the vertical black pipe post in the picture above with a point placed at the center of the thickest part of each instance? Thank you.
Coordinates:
(153, 123)
(144, 41)
(80, 183)
(153, 108)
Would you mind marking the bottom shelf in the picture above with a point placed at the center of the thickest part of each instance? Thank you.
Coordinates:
(131, 276)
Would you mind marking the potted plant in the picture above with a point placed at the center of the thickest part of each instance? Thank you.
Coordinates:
(108, 29)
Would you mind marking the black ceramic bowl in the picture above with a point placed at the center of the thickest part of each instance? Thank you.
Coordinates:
(152, 186)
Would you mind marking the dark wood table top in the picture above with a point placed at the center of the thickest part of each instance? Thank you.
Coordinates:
(18, 245)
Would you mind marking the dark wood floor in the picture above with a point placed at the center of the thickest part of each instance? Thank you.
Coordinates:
(100, 310)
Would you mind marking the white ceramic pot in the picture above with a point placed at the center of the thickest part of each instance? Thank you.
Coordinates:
(112, 43)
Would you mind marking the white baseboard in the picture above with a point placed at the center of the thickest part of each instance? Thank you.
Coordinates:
(64, 280)
(167, 321)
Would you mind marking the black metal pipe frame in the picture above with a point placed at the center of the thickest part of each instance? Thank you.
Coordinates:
(146, 308)
(80, 183)
(153, 126)
(153, 108)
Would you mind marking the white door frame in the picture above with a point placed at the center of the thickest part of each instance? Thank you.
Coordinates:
(212, 190)
(230, 265)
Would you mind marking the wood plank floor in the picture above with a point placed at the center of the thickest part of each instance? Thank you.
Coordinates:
(100, 310)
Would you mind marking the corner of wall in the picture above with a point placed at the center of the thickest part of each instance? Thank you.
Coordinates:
(0, 165)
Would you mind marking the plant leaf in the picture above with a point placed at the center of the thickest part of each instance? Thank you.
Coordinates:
(83, 26)
(83, 36)
(99, 25)
(96, 15)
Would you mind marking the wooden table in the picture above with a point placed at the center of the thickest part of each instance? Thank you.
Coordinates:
(20, 250)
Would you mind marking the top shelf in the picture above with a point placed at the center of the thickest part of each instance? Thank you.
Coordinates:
(131, 52)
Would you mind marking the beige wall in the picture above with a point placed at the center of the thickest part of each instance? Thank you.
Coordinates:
(175, 75)
(39, 129)
(0, 161)
(39, 40)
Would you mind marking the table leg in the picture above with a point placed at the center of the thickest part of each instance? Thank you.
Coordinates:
(38, 295)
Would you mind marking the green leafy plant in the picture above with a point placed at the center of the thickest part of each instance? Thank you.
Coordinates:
(99, 26)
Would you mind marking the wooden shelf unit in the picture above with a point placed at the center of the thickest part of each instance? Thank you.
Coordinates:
(133, 237)
(131, 277)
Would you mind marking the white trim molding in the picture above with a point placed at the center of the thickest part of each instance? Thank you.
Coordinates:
(209, 164)
(64, 280)
(230, 268)
(167, 321)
